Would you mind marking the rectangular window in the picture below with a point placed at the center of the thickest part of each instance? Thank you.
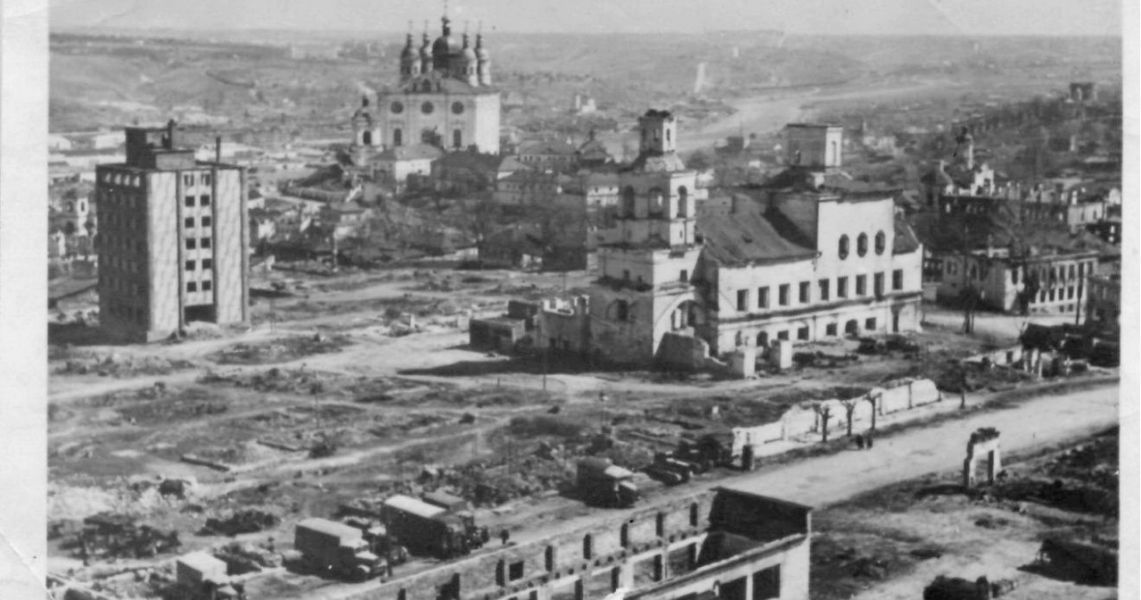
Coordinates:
(515, 571)
(804, 292)
(192, 286)
(684, 276)
(205, 179)
(861, 285)
(830, 330)
(205, 242)
(207, 263)
(191, 243)
(188, 179)
(897, 279)
(204, 200)
(783, 335)
(1070, 293)
(842, 287)
(877, 284)
(783, 294)
(824, 290)
(207, 285)
(742, 300)
(189, 202)
(763, 297)
(802, 333)
(188, 222)
(206, 221)
(870, 324)
(189, 265)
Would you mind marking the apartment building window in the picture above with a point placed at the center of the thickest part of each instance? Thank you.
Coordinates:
(782, 335)
(206, 221)
(1081, 269)
(1070, 293)
(207, 285)
(877, 284)
(188, 179)
(189, 202)
(870, 324)
(897, 279)
(205, 242)
(763, 297)
(188, 222)
(823, 290)
(861, 285)
(862, 244)
(192, 286)
(783, 294)
(842, 287)
(191, 243)
(204, 200)
(830, 330)
(742, 300)
(804, 292)
(189, 265)
(208, 263)
(802, 333)
(205, 179)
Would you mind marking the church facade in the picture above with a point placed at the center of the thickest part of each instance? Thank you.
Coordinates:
(444, 98)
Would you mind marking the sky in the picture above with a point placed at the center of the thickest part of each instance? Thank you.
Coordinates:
(843, 17)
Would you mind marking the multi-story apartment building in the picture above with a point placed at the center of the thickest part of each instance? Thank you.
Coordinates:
(173, 239)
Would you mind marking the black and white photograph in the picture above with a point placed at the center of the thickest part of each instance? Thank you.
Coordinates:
(591, 300)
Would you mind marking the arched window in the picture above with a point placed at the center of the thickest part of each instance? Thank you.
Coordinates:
(397, 137)
(862, 244)
(366, 138)
(881, 242)
(843, 249)
(622, 310)
(628, 202)
(682, 202)
(657, 202)
(457, 138)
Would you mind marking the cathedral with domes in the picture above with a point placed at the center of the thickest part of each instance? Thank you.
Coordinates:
(443, 98)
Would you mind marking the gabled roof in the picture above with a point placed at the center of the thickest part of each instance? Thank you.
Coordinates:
(545, 147)
(510, 163)
(469, 160)
(905, 240)
(746, 237)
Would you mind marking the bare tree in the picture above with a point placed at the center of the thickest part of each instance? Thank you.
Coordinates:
(823, 411)
(849, 412)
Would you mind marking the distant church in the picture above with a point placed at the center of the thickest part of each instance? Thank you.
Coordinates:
(444, 98)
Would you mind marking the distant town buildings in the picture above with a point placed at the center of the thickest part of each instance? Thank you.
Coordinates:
(444, 97)
(172, 241)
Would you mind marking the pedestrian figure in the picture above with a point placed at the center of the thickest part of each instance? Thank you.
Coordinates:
(504, 536)
(869, 440)
(859, 442)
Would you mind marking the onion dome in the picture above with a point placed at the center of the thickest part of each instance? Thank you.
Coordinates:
(480, 51)
(409, 51)
(468, 53)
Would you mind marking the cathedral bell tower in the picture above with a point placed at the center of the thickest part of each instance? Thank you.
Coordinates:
(659, 132)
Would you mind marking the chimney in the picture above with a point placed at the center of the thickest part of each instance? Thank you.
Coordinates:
(218, 149)
(168, 141)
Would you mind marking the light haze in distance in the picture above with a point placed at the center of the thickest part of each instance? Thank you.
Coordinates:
(838, 17)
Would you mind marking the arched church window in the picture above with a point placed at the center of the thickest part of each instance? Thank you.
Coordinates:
(843, 249)
(657, 202)
(458, 139)
(682, 201)
(397, 137)
(396, 107)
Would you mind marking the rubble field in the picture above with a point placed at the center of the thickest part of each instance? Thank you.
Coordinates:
(894, 542)
(280, 350)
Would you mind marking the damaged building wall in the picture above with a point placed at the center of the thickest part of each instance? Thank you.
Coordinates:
(646, 550)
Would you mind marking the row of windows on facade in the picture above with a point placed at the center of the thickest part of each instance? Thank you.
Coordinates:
(1055, 295)
(193, 286)
(124, 220)
(657, 202)
(189, 222)
(207, 264)
(427, 107)
(398, 138)
(188, 179)
(122, 179)
(203, 200)
(1043, 274)
(803, 332)
(861, 244)
(192, 243)
(824, 286)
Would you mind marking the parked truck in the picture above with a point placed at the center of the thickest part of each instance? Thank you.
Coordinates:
(330, 546)
(602, 483)
(429, 529)
(669, 470)
(707, 451)
(200, 576)
(380, 542)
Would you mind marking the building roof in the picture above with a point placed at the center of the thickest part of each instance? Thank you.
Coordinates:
(511, 163)
(467, 159)
(547, 147)
(746, 237)
(905, 239)
(413, 152)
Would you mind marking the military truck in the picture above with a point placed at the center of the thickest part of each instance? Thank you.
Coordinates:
(433, 530)
(602, 483)
(200, 576)
(330, 546)
(380, 542)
